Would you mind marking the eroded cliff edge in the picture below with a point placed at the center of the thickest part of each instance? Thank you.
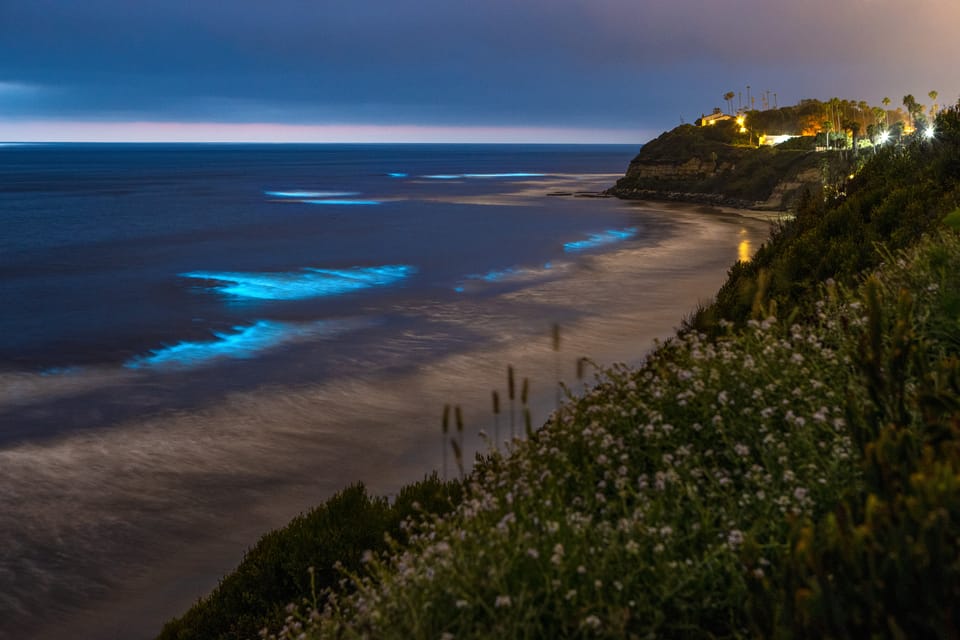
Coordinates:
(711, 165)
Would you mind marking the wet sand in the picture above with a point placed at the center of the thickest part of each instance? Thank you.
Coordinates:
(153, 512)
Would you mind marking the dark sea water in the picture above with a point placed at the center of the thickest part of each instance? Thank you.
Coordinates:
(199, 341)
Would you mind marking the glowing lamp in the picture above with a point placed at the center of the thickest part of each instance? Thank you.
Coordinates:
(884, 137)
(928, 133)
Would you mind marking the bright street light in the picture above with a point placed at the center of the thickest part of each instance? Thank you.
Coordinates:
(884, 137)
(929, 132)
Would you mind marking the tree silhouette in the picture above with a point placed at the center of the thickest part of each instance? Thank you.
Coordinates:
(827, 128)
(728, 96)
(911, 105)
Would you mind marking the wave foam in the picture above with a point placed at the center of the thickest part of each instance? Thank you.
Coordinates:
(294, 195)
(243, 343)
(594, 240)
(303, 284)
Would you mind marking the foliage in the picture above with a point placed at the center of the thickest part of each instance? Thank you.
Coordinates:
(736, 172)
(674, 500)
(799, 143)
(688, 141)
(274, 572)
(886, 560)
(762, 477)
(896, 197)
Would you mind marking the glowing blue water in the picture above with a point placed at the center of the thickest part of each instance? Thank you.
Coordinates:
(610, 236)
(504, 175)
(97, 236)
(460, 176)
(308, 194)
(303, 284)
(361, 203)
(510, 274)
(243, 343)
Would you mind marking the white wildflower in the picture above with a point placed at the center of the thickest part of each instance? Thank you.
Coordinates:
(735, 538)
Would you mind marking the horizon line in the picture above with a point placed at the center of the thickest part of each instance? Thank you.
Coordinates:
(145, 132)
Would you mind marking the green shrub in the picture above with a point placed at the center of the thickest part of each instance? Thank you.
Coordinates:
(275, 571)
(886, 562)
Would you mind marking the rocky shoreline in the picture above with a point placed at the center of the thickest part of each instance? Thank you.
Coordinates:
(713, 199)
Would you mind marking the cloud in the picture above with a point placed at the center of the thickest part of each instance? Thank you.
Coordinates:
(14, 89)
(573, 63)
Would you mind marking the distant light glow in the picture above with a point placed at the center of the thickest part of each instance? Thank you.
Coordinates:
(364, 203)
(271, 132)
(595, 240)
(743, 251)
(884, 137)
(309, 194)
(397, 174)
(929, 133)
(243, 342)
(304, 284)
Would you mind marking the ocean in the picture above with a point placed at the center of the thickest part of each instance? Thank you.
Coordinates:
(198, 342)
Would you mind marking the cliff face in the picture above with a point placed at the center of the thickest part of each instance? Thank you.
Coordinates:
(696, 164)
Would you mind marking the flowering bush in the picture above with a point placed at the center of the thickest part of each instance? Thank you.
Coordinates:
(698, 495)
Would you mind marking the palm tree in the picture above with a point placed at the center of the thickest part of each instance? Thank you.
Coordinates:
(728, 96)
(879, 115)
(827, 128)
(886, 103)
(911, 104)
(854, 127)
(933, 98)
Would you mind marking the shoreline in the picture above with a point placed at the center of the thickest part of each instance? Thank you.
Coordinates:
(394, 441)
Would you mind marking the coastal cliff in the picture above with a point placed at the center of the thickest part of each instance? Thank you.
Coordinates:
(748, 462)
(709, 165)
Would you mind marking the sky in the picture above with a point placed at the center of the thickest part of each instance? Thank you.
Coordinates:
(448, 70)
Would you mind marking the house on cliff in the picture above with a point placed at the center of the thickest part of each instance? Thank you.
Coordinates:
(713, 118)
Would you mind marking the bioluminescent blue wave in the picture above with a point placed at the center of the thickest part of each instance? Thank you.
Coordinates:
(242, 343)
(303, 284)
(504, 175)
(510, 274)
(460, 176)
(397, 174)
(363, 203)
(309, 194)
(610, 236)
(59, 371)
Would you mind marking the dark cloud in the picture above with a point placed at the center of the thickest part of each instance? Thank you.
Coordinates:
(578, 63)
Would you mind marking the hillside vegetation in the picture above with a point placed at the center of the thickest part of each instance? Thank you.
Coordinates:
(716, 164)
(788, 466)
